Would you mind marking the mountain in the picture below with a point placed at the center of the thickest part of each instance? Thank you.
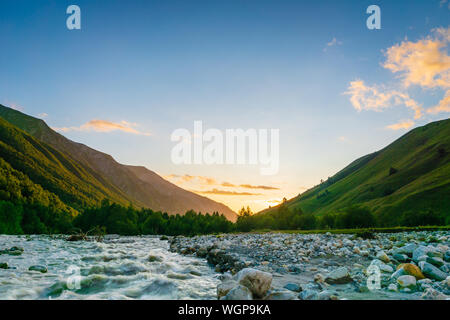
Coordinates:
(95, 175)
(410, 174)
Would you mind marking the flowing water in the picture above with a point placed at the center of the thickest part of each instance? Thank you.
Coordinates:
(117, 268)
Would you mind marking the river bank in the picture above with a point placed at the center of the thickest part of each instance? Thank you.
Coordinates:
(407, 265)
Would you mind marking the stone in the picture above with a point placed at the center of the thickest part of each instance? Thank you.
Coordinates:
(431, 271)
(436, 261)
(412, 270)
(13, 251)
(447, 282)
(152, 258)
(38, 268)
(225, 287)
(433, 294)
(400, 257)
(3, 265)
(238, 293)
(393, 287)
(257, 281)
(447, 256)
(408, 249)
(382, 266)
(420, 251)
(293, 287)
(407, 281)
(325, 295)
(308, 295)
(319, 278)
(398, 273)
(338, 276)
(424, 284)
(281, 295)
(381, 255)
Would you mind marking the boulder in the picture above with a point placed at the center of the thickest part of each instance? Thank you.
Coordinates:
(293, 287)
(225, 287)
(257, 281)
(407, 281)
(412, 270)
(38, 268)
(436, 261)
(393, 287)
(338, 276)
(431, 271)
(383, 256)
(400, 257)
(238, 293)
(419, 252)
(408, 249)
(382, 266)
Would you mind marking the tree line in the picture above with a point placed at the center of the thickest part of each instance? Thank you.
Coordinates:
(30, 218)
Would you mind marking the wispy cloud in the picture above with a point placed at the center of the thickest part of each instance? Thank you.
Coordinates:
(401, 125)
(189, 178)
(105, 127)
(202, 180)
(248, 186)
(42, 115)
(332, 43)
(228, 193)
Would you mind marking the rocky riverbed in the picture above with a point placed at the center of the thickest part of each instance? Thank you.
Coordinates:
(410, 265)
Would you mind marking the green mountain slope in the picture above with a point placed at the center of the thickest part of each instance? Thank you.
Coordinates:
(27, 159)
(411, 174)
(110, 179)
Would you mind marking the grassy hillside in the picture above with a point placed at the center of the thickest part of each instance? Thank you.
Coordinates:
(411, 174)
(42, 167)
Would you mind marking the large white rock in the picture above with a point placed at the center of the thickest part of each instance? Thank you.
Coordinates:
(406, 281)
(338, 276)
(257, 281)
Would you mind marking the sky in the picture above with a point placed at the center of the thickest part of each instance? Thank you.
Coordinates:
(138, 70)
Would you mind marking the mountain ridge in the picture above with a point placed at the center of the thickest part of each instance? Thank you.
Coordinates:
(121, 180)
(411, 173)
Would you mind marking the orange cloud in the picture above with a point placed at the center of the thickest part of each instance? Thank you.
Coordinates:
(401, 125)
(105, 126)
(248, 186)
(442, 106)
(374, 98)
(424, 62)
(228, 193)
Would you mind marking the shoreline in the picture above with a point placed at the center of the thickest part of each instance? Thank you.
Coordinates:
(301, 265)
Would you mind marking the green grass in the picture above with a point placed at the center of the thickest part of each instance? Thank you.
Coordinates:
(352, 231)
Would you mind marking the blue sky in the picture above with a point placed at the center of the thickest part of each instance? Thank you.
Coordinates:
(155, 66)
